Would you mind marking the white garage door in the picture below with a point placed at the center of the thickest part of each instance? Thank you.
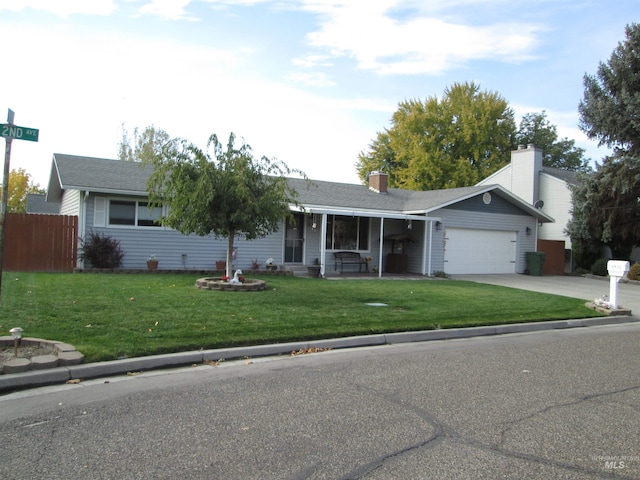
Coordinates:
(479, 251)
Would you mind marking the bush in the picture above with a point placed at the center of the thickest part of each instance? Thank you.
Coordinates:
(634, 273)
(584, 254)
(599, 267)
(101, 251)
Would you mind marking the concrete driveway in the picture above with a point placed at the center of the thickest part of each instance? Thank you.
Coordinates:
(568, 286)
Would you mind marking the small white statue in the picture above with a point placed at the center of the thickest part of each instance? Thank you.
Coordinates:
(236, 277)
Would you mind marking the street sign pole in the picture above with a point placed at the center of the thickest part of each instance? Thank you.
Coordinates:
(10, 131)
(5, 192)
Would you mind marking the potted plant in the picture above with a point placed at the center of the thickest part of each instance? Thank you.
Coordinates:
(270, 265)
(152, 262)
(255, 265)
(314, 270)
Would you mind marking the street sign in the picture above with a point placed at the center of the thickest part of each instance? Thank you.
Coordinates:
(9, 130)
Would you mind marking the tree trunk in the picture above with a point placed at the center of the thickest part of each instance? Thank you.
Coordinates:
(230, 254)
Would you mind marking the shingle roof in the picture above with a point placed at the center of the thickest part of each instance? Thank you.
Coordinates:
(567, 176)
(36, 204)
(129, 178)
(100, 174)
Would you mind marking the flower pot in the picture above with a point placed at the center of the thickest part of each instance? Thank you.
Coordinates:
(314, 271)
(221, 265)
(152, 264)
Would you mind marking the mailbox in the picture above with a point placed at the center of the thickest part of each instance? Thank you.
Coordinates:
(617, 269)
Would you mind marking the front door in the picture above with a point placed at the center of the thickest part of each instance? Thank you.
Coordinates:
(294, 239)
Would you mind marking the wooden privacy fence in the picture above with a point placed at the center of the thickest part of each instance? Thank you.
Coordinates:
(554, 261)
(40, 243)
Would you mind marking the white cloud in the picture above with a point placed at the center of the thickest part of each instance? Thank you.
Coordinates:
(62, 8)
(368, 32)
(313, 60)
(168, 9)
(312, 79)
(98, 84)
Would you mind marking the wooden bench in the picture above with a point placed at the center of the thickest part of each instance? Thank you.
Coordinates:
(349, 258)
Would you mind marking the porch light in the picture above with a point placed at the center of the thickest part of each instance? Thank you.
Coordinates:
(527, 231)
(409, 224)
(438, 225)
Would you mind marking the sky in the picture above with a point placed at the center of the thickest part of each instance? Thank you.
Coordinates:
(306, 82)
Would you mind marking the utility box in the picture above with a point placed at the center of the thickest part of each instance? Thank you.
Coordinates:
(535, 262)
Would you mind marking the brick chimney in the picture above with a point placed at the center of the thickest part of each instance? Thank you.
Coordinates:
(378, 182)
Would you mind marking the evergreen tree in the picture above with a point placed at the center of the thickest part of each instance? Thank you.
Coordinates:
(607, 203)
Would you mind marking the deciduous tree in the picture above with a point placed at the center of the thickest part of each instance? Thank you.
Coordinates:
(20, 184)
(450, 142)
(561, 153)
(226, 192)
(144, 146)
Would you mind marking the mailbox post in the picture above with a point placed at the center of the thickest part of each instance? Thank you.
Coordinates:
(617, 269)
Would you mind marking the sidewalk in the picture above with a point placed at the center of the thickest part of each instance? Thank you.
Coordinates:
(61, 375)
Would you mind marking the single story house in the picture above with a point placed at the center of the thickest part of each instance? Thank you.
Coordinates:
(478, 229)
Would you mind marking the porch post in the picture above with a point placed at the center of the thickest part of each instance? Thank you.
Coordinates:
(424, 250)
(381, 247)
(430, 243)
(323, 244)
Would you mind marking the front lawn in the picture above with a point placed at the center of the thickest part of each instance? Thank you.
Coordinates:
(107, 316)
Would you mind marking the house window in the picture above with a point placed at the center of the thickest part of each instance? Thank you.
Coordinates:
(133, 213)
(347, 233)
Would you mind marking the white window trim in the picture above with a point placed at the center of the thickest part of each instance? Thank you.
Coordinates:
(367, 233)
(137, 202)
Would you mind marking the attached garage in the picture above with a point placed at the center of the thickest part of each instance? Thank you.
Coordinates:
(479, 251)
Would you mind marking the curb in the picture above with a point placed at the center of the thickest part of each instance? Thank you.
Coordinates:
(57, 375)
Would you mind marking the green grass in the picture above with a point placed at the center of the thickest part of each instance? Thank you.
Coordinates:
(106, 316)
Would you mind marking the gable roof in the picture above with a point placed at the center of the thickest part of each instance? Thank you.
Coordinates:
(567, 176)
(70, 172)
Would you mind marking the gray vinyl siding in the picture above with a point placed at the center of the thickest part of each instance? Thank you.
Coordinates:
(497, 205)
(455, 218)
(70, 204)
(169, 246)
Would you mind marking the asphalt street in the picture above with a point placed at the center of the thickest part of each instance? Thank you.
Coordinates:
(540, 405)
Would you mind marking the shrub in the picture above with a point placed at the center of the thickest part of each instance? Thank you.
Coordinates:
(101, 251)
(599, 267)
(584, 254)
(634, 273)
